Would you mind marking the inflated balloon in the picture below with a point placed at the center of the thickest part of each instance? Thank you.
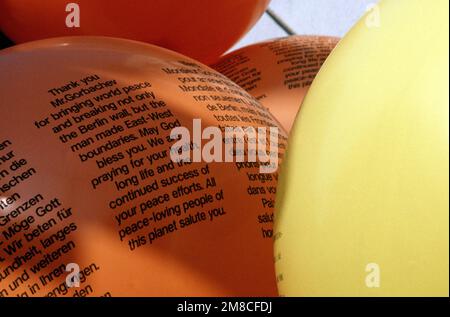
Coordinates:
(91, 177)
(363, 206)
(201, 29)
(278, 72)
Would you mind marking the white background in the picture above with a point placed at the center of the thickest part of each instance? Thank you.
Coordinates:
(312, 17)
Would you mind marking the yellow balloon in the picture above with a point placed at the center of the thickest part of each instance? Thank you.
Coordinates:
(363, 205)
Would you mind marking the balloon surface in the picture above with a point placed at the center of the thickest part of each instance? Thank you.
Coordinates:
(279, 72)
(201, 29)
(362, 207)
(88, 175)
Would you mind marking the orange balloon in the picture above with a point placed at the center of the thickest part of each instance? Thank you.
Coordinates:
(87, 175)
(278, 72)
(202, 29)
